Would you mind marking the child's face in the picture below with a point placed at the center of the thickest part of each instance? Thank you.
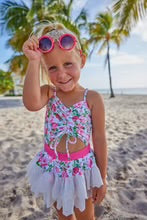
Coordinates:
(64, 67)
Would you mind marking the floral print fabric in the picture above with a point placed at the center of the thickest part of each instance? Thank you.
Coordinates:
(75, 121)
(67, 182)
(65, 168)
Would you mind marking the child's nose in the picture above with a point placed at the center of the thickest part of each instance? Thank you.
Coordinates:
(61, 73)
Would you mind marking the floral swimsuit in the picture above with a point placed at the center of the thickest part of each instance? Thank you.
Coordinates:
(75, 121)
(69, 181)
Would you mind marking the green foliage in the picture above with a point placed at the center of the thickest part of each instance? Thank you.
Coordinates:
(129, 12)
(6, 82)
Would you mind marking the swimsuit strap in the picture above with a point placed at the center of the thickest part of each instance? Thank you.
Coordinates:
(85, 94)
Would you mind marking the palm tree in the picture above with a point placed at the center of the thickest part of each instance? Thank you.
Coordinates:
(103, 31)
(129, 12)
(18, 20)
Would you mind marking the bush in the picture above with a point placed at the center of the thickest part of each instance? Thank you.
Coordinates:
(6, 82)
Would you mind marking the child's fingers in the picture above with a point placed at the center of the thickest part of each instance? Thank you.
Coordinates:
(94, 194)
(28, 45)
(99, 198)
(35, 40)
(33, 44)
(98, 194)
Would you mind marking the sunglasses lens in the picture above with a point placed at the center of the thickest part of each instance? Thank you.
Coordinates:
(45, 44)
(67, 42)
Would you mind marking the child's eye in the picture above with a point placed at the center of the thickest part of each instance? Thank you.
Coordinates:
(68, 64)
(52, 68)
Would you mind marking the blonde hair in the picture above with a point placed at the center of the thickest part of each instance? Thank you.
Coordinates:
(54, 30)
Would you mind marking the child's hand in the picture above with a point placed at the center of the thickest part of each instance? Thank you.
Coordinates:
(30, 48)
(98, 194)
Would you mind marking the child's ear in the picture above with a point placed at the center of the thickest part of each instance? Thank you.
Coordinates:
(83, 60)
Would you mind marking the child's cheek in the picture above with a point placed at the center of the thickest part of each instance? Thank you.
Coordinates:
(75, 71)
(52, 77)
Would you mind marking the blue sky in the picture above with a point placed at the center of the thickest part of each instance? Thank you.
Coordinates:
(128, 65)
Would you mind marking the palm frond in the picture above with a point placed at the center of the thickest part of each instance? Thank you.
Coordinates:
(83, 15)
(93, 48)
(69, 8)
(12, 15)
(56, 7)
(69, 24)
(16, 41)
(102, 47)
(106, 20)
(118, 36)
(84, 45)
(18, 64)
(97, 32)
(129, 12)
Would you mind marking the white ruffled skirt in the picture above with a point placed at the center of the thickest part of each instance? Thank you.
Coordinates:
(68, 183)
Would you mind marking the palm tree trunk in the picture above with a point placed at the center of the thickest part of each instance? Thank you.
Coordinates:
(109, 70)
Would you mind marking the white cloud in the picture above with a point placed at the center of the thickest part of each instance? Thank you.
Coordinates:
(141, 29)
(121, 58)
(124, 58)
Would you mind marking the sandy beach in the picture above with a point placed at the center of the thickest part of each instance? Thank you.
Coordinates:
(21, 137)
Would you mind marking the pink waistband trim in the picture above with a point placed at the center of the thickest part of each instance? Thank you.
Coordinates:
(64, 156)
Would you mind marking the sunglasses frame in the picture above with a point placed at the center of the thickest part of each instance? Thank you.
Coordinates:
(59, 41)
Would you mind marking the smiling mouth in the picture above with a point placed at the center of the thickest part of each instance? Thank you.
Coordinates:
(65, 82)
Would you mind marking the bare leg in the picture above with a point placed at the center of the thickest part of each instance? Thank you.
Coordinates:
(88, 213)
(63, 217)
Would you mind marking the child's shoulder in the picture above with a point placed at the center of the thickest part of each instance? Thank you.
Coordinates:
(93, 93)
(48, 90)
(51, 91)
(93, 98)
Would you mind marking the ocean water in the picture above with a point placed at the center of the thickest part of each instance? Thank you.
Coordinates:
(125, 91)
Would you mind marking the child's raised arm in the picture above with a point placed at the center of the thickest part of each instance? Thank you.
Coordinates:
(34, 96)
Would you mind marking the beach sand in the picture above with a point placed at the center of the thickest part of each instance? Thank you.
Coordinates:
(21, 137)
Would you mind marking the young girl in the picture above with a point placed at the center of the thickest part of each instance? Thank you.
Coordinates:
(67, 171)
